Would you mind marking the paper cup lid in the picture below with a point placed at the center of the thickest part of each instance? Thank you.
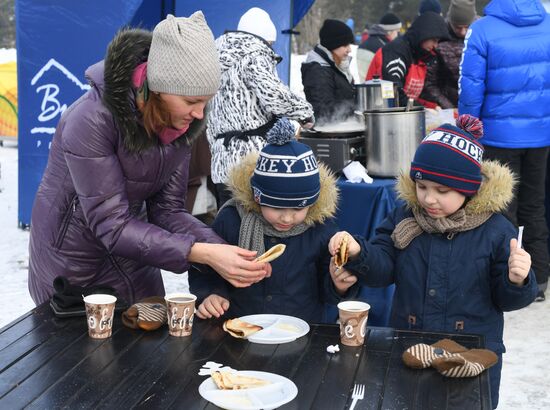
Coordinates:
(354, 305)
(99, 299)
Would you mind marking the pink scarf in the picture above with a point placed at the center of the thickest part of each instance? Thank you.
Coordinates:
(167, 134)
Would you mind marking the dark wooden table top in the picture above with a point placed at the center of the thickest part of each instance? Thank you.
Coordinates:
(47, 363)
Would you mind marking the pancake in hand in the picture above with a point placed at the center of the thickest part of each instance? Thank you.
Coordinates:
(272, 253)
(240, 329)
(341, 256)
(234, 381)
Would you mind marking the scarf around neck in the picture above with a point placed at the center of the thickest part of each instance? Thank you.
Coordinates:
(254, 226)
(410, 228)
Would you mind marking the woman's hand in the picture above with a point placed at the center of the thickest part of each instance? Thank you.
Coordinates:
(353, 247)
(236, 265)
(212, 306)
(519, 263)
(342, 279)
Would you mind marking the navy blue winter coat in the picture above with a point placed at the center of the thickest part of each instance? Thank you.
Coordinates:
(505, 74)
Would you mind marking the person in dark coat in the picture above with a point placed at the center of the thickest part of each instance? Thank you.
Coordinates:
(380, 35)
(441, 84)
(110, 207)
(267, 209)
(406, 59)
(328, 83)
(453, 257)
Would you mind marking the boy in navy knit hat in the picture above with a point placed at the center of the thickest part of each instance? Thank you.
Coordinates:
(280, 196)
(453, 257)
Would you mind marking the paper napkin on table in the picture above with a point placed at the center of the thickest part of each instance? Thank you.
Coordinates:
(355, 172)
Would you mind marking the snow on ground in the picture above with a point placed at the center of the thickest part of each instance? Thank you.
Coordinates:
(525, 381)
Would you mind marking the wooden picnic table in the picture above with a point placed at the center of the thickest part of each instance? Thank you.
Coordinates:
(47, 363)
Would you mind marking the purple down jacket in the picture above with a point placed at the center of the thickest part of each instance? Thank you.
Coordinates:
(110, 207)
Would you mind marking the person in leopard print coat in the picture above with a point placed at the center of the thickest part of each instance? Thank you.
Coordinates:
(251, 96)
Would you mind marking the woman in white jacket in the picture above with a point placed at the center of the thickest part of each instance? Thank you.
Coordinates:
(251, 96)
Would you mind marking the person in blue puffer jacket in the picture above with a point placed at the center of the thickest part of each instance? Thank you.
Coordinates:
(453, 257)
(505, 81)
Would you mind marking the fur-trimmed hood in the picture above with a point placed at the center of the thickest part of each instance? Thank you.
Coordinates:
(494, 195)
(112, 78)
(325, 207)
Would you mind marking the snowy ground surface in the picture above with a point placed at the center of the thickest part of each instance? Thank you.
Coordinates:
(525, 380)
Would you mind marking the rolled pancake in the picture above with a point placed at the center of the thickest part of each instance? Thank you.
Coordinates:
(234, 381)
(341, 256)
(272, 254)
(240, 329)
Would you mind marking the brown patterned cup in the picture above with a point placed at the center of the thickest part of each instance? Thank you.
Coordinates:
(353, 322)
(181, 310)
(99, 312)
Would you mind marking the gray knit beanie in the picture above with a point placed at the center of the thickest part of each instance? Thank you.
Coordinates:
(183, 59)
(461, 12)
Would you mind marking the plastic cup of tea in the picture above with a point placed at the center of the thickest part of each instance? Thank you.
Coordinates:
(100, 309)
(353, 322)
(181, 310)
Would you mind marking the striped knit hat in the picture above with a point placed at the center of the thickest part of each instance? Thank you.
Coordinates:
(451, 155)
(286, 173)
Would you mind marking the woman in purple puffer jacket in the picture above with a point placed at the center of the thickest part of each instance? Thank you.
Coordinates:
(110, 207)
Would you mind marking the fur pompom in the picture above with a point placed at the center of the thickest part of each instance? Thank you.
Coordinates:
(470, 124)
(281, 133)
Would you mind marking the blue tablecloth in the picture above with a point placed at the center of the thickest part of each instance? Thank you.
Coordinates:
(362, 208)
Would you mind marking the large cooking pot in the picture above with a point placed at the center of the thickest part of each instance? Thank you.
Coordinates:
(393, 134)
(375, 94)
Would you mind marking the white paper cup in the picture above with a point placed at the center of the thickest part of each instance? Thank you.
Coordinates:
(100, 310)
(180, 308)
(353, 322)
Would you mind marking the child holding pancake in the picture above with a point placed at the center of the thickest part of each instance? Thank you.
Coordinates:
(281, 195)
(453, 257)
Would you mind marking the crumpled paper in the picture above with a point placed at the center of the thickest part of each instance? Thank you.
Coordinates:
(355, 172)
(210, 367)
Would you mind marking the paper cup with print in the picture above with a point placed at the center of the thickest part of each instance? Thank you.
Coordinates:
(353, 322)
(181, 310)
(100, 309)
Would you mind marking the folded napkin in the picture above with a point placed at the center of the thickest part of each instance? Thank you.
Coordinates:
(355, 172)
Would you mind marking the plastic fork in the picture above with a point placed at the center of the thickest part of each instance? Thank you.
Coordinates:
(357, 394)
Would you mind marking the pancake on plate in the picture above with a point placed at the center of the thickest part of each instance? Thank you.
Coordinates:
(233, 381)
(240, 329)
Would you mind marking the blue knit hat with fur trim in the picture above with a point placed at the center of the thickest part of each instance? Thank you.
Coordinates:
(451, 155)
(286, 173)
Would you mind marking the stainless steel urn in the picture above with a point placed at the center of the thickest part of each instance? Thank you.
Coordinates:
(393, 134)
(375, 94)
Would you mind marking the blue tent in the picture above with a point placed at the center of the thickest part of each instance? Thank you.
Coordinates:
(58, 39)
